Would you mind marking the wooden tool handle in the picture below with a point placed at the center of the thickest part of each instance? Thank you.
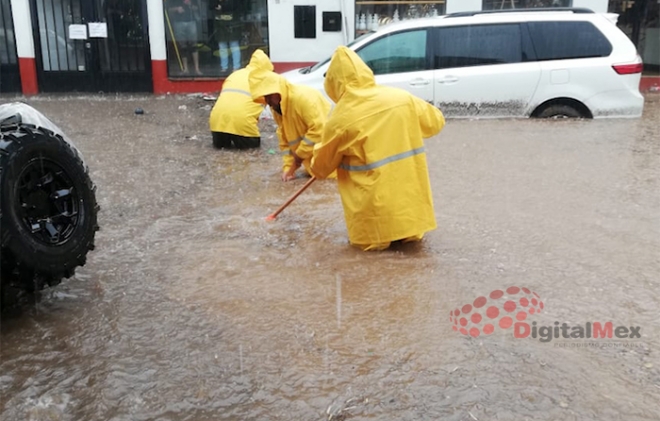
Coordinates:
(291, 199)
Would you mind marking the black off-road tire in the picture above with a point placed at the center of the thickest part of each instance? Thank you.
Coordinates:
(48, 208)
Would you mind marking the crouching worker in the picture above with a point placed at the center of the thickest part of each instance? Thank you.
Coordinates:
(374, 138)
(235, 116)
(300, 113)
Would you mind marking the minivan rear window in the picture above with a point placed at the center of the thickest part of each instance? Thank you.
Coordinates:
(477, 45)
(568, 40)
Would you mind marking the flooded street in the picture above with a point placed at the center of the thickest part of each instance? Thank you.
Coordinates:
(193, 307)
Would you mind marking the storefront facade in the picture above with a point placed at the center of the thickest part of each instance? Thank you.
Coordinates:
(9, 73)
(176, 46)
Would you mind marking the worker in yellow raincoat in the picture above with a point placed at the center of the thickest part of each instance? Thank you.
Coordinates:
(235, 115)
(374, 138)
(300, 113)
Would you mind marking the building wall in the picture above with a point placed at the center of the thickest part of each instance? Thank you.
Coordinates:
(286, 51)
(25, 45)
(455, 6)
(598, 6)
(285, 48)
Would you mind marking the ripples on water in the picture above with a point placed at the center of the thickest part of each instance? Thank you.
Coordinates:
(193, 307)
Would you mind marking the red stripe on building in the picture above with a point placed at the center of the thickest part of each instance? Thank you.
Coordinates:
(163, 84)
(650, 84)
(28, 69)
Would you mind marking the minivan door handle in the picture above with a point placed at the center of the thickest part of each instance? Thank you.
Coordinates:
(448, 79)
(419, 82)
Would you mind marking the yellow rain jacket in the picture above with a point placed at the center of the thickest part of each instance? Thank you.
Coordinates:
(304, 113)
(374, 138)
(235, 112)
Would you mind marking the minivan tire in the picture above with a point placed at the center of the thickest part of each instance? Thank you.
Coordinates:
(48, 207)
(560, 111)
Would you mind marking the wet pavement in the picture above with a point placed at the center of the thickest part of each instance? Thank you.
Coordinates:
(193, 307)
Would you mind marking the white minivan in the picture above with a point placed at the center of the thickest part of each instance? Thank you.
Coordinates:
(562, 62)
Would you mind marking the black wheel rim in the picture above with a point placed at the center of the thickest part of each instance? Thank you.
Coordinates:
(48, 202)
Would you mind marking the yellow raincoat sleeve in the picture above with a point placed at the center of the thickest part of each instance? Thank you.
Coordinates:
(285, 150)
(327, 153)
(431, 120)
(314, 117)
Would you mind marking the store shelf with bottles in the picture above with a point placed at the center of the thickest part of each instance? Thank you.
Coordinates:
(370, 15)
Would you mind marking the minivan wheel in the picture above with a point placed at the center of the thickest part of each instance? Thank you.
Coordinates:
(48, 217)
(560, 111)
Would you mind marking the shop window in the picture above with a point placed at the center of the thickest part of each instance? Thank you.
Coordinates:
(524, 4)
(397, 53)
(7, 40)
(212, 38)
(640, 20)
(370, 15)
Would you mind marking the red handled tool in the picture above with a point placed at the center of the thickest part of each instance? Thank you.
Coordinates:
(273, 215)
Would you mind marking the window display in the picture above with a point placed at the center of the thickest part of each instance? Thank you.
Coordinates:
(524, 4)
(640, 20)
(212, 38)
(370, 15)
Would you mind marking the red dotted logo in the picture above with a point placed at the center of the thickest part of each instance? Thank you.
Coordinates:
(500, 309)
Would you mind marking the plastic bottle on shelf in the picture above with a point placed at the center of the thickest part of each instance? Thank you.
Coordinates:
(362, 24)
(374, 26)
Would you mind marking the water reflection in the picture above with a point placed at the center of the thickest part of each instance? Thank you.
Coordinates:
(193, 307)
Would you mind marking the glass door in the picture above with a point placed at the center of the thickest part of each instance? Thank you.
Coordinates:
(10, 80)
(92, 45)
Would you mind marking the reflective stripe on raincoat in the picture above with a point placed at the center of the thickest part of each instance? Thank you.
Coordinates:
(374, 138)
(235, 112)
(304, 113)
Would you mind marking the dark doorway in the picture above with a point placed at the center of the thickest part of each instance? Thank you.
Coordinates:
(640, 20)
(10, 79)
(92, 45)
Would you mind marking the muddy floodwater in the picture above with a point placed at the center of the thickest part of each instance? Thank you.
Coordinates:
(193, 307)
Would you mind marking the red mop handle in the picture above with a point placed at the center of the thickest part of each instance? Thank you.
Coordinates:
(291, 199)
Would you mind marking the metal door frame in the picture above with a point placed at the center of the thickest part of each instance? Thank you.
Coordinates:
(10, 75)
(92, 79)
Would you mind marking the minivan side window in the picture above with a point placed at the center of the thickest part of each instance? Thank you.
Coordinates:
(477, 45)
(396, 53)
(567, 40)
